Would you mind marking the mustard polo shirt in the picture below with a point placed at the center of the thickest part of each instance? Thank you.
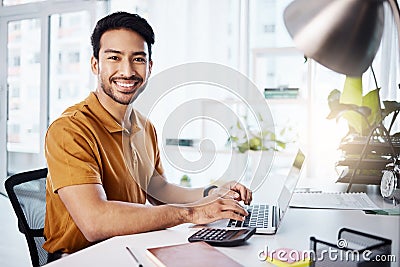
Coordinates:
(85, 146)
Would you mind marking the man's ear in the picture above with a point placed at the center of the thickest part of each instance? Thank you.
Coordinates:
(150, 66)
(94, 64)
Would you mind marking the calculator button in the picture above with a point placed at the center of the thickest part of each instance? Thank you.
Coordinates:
(222, 237)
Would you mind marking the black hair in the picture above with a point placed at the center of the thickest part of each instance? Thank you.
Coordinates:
(122, 20)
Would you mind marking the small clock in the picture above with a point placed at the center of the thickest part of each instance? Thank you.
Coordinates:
(390, 184)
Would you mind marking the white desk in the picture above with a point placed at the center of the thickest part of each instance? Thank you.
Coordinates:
(295, 231)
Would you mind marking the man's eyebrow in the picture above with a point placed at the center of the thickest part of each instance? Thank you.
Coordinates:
(138, 53)
(112, 51)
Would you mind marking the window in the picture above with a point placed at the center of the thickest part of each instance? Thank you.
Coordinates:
(69, 60)
(269, 28)
(15, 92)
(73, 57)
(35, 58)
(16, 26)
(23, 113)
(278, 69)
(18, 2)
(186, 31)
(24, 84)
(178, 26)
(16, 61)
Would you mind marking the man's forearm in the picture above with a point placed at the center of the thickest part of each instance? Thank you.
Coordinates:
(99, 218)
(165, 192)
(121, 218)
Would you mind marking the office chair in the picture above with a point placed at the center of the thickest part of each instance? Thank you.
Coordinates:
(27, 193)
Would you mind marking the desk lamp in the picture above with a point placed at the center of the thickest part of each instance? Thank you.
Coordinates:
(342, 35)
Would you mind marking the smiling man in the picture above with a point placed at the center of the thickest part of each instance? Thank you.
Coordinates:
(92, 193)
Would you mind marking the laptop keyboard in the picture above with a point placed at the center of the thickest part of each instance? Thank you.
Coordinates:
(258, 217)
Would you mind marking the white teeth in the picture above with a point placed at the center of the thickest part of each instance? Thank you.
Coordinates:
(125, 84)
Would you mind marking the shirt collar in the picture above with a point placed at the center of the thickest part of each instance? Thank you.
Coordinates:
(107, 120)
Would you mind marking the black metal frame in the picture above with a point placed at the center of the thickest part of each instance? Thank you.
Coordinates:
(386, 135)
(23, 226)
(381, 246)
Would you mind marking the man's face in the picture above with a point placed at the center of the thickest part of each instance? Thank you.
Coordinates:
(123, 66)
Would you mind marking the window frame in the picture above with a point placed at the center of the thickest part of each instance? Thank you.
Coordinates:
(42, 11)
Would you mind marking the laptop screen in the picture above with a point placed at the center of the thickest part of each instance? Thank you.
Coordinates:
(291, 182)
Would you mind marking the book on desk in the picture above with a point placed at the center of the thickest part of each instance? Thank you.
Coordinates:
(197, 254)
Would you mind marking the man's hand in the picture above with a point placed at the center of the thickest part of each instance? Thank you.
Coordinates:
(213, 208)
(233, 190)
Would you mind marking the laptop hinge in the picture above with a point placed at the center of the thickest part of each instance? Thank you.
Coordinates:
(274, 216)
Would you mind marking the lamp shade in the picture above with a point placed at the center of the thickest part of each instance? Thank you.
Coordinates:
(343, 35)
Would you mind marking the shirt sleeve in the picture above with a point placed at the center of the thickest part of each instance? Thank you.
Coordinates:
(70, 155)
(158, 168)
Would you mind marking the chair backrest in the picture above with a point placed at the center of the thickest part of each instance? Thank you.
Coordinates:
(27, 193)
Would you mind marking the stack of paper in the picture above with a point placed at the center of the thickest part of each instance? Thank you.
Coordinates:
(318, 200)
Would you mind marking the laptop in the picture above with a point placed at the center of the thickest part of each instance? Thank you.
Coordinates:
(267, 218)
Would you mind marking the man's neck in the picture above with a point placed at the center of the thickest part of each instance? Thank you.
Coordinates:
(116, 110)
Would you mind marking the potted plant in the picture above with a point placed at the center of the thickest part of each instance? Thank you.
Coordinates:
(367, 147)
(255, 147)
(245, 138)
(185, 181)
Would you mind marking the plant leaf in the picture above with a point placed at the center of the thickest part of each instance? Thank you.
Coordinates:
(352, 94)
(281, 144)
(233, 138)
(238, 125)
(334, 98)
(341, 109)
(390, 106)
(243, 147)
(352, 91)
(371, 100)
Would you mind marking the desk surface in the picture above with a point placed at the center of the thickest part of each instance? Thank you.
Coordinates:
(295, 231)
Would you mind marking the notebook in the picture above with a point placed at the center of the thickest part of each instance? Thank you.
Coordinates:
(197, 254)
(267, 218)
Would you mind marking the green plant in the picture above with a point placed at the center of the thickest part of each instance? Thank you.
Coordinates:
(362, 112)
(185, 180)
(391, 108)
(368, 124)
(245, 138)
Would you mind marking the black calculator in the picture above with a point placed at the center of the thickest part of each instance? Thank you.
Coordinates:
(223, 237)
